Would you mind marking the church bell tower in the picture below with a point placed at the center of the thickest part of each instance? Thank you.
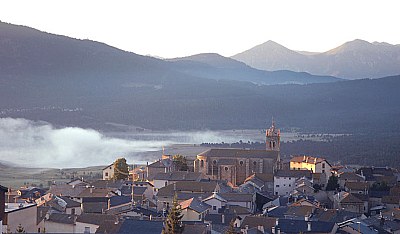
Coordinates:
(273, 138)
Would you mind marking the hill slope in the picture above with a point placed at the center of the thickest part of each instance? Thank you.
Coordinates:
(215, 66)
(353, 60)
(89, 84)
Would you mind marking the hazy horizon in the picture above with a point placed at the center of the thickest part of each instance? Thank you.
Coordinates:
(176, 29)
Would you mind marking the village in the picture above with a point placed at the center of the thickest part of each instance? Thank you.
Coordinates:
(219, 191)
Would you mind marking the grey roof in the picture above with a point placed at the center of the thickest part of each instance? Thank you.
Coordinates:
(293, 173)
(140, 226)
(95, 219)
(195, 204)
(178, 176)
(70, 203)
(94, 207)
(334, 215)
(107, 183)
(296, 226)
(66, 190)
(119, 200)
(237, 197)
(187, 186)
(240, 153)
(61, 218)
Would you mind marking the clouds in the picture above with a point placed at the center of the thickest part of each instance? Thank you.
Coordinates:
(38, 144)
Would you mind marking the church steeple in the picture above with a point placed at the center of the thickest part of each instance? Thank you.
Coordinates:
(273, 138)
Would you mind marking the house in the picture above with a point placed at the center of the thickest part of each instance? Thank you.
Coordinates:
(304, 226)
(314, 164)
(60, 223)
(291, 212)
(138, 173)
(219, 223)
(194, 210)
(29, 194)
(108, 172)
(357, 187)
(216, 202)
(349, 177)
(378, 174)
(88, 223)
(3, 191)
(20, 213)
(163, 165)
(165, 178)
(260, 223)
(185, 190)
(263, 182)
(240, 199)
(129, 226)
(285, 180)
(350, 202)
(66, 190)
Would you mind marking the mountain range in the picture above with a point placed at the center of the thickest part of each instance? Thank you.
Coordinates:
(70, 82)
(352, 60)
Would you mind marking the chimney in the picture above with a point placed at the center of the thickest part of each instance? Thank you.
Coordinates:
(175, 186)
(273, 230)
(223, 218)
(306, 218)
(309, 226)
(278, 230)
(277, 222)
(261, 228)
(91, 190)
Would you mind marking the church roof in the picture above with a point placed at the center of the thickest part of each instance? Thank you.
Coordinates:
(240, 153)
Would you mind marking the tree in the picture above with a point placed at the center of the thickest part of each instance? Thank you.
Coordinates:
(20, 229)
(173, 223)
(231, 228)
(180, 162)
(332, 183)
(121, 169)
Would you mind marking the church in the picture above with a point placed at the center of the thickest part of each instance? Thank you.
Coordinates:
(235, 165)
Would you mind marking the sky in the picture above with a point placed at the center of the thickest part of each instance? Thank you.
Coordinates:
(177, 28)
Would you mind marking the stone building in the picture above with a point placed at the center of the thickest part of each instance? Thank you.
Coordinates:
(235, 165)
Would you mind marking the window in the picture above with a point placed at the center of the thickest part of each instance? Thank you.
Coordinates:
(276, 193)
(323, 171)
(277, 185)
(215, 162)
(254, 163)
(241, 163)
(199, 216)
(290, 185)
(87, 230)
(106, 173)
(165, 183)
(201, 163)
(226, 168)
(214, 207)
(290, 178)
(323, 165)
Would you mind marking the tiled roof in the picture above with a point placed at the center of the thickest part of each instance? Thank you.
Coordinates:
(94, 207)
(107, 183)
(66, 190)
(95, 219)
(178, 176)
(216, 196)
(240, 153)
(350, 176)
(140, 226)
(300, 226)
(350, 198)
(188, 186)
(334, 215)
(119, 200)
(61, 218)
(97, 192)
(357, 186)
(195, 205)
(293, 173)
(391, 199)
(70, 203)
(195, 228)
(255, 221)
(237, 197)
(307, 159)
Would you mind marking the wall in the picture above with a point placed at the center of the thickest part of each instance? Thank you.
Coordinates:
(80, 227)
(27, 217)
(108, 172)
(283, 185)
(52, 227)
(214, 202)
(191, 215)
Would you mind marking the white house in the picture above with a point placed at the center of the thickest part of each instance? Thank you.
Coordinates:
(108, 172)
(216, 202)
(285, 180)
